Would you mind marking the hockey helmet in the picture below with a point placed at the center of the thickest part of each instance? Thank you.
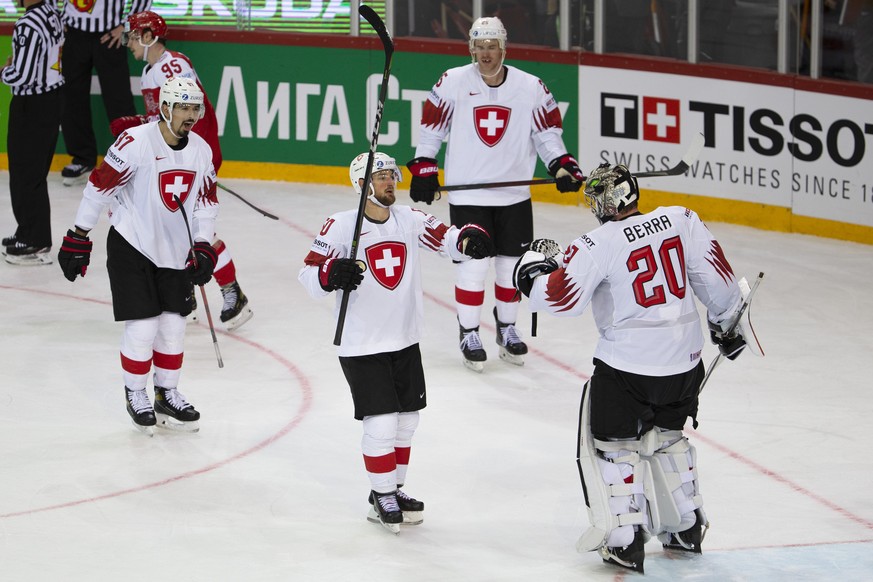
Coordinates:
(142, 21)
(609, 190)
(488, 28)
(380, 162)
(181, 91)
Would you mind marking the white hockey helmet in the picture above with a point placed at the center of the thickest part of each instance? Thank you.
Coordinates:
(380, 162)
(488, 28)
(609, 190)
(182, 91)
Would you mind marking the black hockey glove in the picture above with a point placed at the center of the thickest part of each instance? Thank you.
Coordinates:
(425, 181)
(530, 266)
(201, 263)
(75, 255)
(344, 274)
(475, 242)
(730, 346)
(568, 176)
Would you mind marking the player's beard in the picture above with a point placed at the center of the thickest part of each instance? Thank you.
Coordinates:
(387, 198)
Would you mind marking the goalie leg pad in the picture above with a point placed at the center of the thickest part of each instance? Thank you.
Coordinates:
(674, 472)
(614, 484)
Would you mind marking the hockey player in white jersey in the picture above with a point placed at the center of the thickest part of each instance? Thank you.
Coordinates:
(150, 260)
(379, 351)
(497, 119)
(640, 273)
(145, 34)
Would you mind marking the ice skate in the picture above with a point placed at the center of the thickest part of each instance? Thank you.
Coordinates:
(384, 509)
(192, 303)
(8, 241)
(236, 310)
(75, 174)
(23, 254)
(512, 349)
(173, 412)
(689, 540)
(140, 410)
(412, 509)
(630, 557)
(471, 347)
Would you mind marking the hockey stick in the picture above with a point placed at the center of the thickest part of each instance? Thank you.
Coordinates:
(370, 16)
(731, 330)
(680, 168)
(252, 206)
(202, 290)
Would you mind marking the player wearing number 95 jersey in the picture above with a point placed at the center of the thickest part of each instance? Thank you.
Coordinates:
(640, 273)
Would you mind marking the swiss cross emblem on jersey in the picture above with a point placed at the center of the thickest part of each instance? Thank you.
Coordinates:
(175, 183)
(387, 261)
(490, 122)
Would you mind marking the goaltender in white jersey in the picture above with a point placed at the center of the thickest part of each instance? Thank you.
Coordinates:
(640, 274)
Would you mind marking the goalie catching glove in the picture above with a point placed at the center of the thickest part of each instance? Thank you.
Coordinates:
(425, 180)
(345, 274)
(475, 242)
(568, 176)
(531, 265)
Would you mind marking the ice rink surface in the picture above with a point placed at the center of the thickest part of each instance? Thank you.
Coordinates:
(273, 486)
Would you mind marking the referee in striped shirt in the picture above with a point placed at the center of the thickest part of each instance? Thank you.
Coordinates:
(34, 74)
(93, 40)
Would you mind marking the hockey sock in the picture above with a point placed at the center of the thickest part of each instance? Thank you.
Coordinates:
(225, 271)
(136, 351)
(380, 458)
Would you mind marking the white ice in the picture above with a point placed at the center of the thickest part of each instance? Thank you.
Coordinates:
(273, 486)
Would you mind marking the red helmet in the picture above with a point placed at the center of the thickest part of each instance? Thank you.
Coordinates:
(146, 19)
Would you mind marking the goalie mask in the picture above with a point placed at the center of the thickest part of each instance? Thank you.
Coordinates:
(609, 190)
(380, 162)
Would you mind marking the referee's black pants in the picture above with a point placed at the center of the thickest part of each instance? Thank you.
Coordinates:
(82, 52)
(30, 143)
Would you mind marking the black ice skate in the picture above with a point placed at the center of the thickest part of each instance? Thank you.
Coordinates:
(20, 253)
(385, 510)
(75, 173)
(512, 349)
(690, 540)
(631, 556)
(412, 509)
(471, 347)
(174, 412)
(236, 310)
(140, 410)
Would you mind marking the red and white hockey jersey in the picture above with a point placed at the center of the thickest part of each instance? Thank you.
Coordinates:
(175, 64)
(138, 180)
(639, 274)
(495, 133)
(385, 312)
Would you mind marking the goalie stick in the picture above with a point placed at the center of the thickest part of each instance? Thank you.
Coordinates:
(202, 290)
(370, 16)
(680, 168)
(732, 330)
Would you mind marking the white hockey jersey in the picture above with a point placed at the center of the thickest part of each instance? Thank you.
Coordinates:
(385, 313)
(138, 180)
(639, 274)
(495, 133)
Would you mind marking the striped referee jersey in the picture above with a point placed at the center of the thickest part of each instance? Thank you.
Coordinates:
(36, 46)
(100, 15)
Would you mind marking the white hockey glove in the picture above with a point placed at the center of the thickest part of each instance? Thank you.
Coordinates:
(530, 266)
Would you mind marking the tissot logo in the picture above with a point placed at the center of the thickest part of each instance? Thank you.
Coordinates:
(621, 116)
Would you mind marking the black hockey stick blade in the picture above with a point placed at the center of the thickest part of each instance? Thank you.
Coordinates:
(689, 158)
(373, 19)
(249, 204)
(484, 185)
(370, 16)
